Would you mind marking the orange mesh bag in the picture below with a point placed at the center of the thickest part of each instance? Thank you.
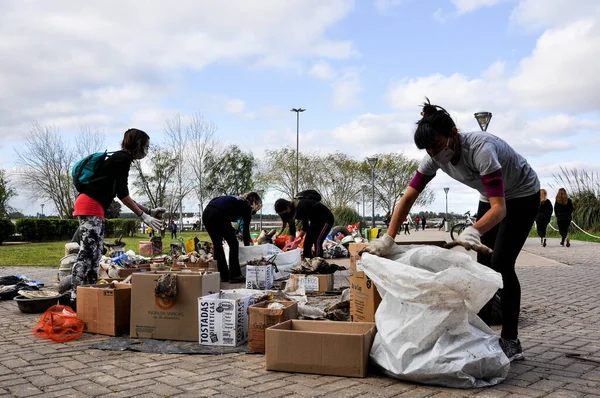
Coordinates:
(59, 323)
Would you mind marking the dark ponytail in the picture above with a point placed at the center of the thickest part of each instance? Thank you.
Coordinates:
(435, 121)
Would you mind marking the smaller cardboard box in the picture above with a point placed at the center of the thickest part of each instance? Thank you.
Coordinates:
(315, 283)
(223, 318)
(364, 298)
(259, 277)
(262, 317)
(105, 309)
(354, 249)
(320, 347)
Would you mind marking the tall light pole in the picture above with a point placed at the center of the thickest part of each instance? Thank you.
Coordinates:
(447, 220)
(42, 209)
(199, 217)
(364, 188)
(373, 162)
(483, 119)
(297, 110)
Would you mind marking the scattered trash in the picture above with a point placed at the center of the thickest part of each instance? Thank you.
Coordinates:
(316, 265)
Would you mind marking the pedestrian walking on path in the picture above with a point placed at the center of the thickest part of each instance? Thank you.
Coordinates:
(509, 200)
(563, 209)
(543, 217)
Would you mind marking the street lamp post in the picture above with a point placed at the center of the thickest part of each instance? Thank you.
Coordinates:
(297, 110)
(42, 209)
(483, 119)
(373, 162)
(364, 188)
(446, 191)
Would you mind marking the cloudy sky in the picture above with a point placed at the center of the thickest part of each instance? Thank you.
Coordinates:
(360, 68)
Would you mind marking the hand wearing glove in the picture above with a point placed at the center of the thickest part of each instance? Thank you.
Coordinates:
(295, 243)
(152, 222)
(470, 238)
(380, 247)
(158, 212)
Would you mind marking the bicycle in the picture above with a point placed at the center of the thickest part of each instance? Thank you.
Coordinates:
(458, 228)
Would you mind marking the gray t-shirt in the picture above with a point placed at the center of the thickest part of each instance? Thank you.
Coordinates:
(481, 154)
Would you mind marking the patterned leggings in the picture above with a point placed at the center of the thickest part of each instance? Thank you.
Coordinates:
(85, 269)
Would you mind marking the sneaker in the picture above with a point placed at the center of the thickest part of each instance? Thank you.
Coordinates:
(544, 244)
(568, 242)
(562, 243)
(512, 349)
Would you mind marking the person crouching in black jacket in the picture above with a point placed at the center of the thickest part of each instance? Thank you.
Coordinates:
(316, 219)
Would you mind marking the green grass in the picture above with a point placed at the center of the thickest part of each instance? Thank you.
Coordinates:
(48, 254)
(550, 233)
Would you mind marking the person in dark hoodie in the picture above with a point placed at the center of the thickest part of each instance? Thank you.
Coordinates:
(95, 197)
(316, 219)
(563, 209)
(218, 216)
(543, 217)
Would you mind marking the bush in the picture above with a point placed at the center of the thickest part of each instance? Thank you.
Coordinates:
(7, 228)
(345, 216)
(46, 229)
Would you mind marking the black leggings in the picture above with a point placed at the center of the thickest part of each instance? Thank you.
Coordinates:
(563, 228)
(315, 235)
(219, 228)
(541, 226)
(507, 239)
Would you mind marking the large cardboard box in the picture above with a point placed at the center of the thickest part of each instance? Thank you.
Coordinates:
(262, 317)
(315, 283)
(169, 319)
(354, 249)
(320, 347)
(105, 309)
(364, 298)
(195, 267)
(259, 277)
(223, 318)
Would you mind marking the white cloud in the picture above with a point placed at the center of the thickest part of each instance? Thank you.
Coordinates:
(113, 58)
(346, 90)
(536, 14)
(562, 72)
(466, 6)
(322, 70)
(235, 106)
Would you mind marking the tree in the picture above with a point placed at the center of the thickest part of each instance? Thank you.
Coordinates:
(113, 211)
(393, 173)
(88, 141)
(154, 183)
(46, 168)
(337, 178)
(6, 193)
(230, 173)
(279, 171)
(177, 139)
(201, 142)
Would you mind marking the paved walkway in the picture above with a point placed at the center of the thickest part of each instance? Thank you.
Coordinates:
(561, 314)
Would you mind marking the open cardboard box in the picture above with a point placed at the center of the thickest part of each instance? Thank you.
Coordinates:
(320, 347)
(105, 308)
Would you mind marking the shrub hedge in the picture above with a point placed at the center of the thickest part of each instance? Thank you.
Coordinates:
(53, 229)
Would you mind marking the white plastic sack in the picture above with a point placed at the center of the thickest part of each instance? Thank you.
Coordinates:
(427, 323)
(284, 260)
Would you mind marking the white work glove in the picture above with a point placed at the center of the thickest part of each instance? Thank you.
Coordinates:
(152, 222)
(470, 238)
(380, 247)
(158, 212)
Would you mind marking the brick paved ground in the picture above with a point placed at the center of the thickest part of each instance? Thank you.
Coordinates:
(561, 314)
